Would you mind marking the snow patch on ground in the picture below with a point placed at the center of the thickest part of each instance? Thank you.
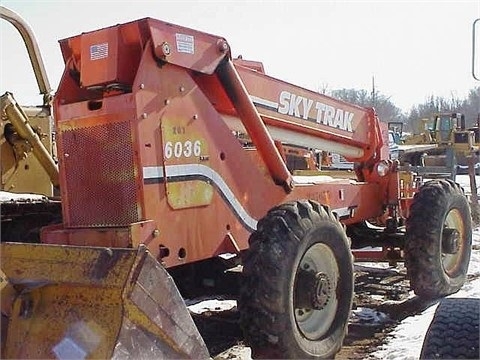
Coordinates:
(368, 316)
(6, 196)
(405, 342)
(212, 305)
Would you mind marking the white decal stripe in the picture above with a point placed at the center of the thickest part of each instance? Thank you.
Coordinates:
(264, 102)
(156, 172)
(153, 172)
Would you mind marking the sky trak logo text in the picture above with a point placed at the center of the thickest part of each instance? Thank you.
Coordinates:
(302, 107)
(308, 109)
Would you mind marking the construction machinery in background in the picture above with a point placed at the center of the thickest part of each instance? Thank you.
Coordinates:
(29, 129)
(157, 182)
(422, 134)
(28, 153)
(444, 147)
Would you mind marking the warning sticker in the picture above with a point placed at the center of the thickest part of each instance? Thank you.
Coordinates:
(98, 51)
(185, 43)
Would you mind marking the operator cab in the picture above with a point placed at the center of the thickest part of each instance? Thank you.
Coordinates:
(445, 124)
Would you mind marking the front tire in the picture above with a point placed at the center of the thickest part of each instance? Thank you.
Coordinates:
(438, 239)
(297, 287)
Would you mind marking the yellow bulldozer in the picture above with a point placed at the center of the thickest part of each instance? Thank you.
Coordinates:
(422, 135)
(29, 171)
(443, 141)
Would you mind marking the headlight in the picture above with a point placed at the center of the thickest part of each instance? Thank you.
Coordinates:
(382, 168)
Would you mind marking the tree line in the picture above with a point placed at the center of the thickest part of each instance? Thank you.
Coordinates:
(388, 111)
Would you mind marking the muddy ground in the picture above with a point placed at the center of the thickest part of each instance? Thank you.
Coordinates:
(384, 293)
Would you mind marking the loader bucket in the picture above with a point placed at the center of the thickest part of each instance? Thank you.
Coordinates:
(69, 302)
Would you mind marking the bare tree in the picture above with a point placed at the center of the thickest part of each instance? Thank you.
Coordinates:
(387, 111)
(470, 107)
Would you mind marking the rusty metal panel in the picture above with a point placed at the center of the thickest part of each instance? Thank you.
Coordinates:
(186, 47)
(99, 57)
(185, 150)
(91, 303)
(37, 264)
(68, 302)
(100, 175)
(145, 346)
(110, 56)
(158, 318)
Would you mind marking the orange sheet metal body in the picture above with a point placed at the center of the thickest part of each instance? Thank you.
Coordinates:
(144, 116)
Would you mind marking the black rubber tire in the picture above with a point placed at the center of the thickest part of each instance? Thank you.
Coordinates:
(454, 332)
(271, 322)
(438, 203)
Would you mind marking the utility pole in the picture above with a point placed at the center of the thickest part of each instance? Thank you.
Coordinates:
(374, 100)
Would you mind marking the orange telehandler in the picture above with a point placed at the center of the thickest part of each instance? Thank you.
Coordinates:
(155, 177)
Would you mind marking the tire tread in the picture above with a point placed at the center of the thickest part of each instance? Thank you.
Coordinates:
(454, 332)
(263, 310)
(422, 246)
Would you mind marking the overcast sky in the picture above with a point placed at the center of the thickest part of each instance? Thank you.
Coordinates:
(413, 49)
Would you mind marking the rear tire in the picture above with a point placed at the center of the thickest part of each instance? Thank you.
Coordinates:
(299, 248)
(436, 266)
(454, 331)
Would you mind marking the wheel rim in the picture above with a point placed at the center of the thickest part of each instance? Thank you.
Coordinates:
(313, 323)
(452, 261)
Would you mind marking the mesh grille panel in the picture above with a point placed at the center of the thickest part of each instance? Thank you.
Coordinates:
(100, 176)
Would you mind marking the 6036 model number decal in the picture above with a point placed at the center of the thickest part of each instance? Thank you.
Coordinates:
(180, 149)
